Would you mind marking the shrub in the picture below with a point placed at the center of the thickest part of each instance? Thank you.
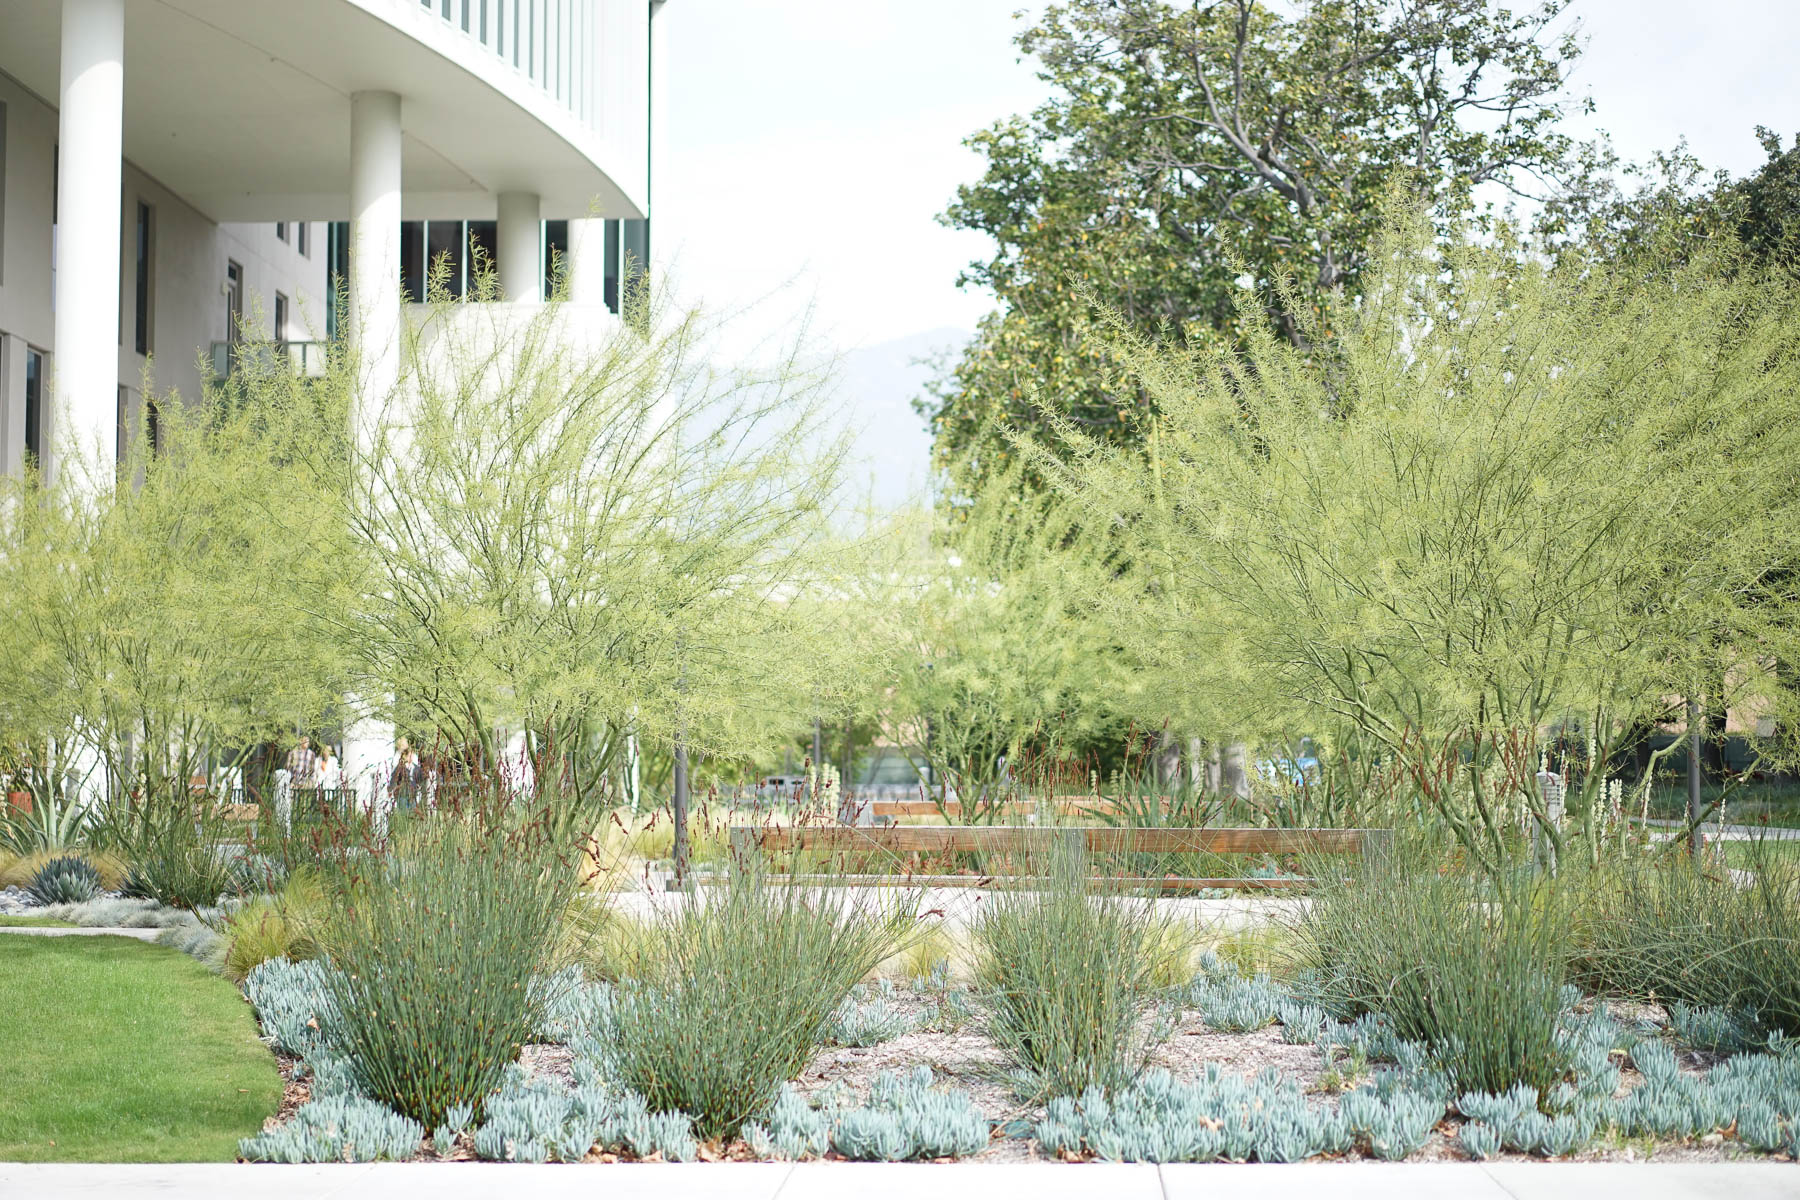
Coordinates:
(19, 871)
(1662, 928)
(1069, 978)
(287, 925)
(438, 943)
(738, 991)
(1471, 967)
(177, 856)
(65, 879)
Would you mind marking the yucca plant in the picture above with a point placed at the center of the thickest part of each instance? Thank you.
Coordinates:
(736, 990)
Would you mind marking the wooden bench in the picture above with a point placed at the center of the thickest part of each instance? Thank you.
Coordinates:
(898, 840)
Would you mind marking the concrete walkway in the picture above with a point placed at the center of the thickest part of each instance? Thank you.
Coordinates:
(142, 935)
(1731, 833)
(883, 1181)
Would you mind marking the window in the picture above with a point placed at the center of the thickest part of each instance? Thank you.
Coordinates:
(140, 337)
(281, 230)
(303, 238)
(122, 428)
(483, 238)
(611, 285)
(2, 193)
(234, 301)
(556, 254)
(281, 317)
(337, 272)
(412, 261)
(152, 425)
(444, 241)
(34, 406)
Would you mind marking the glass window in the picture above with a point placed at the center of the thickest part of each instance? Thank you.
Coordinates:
(281, 230)
(444, 242)
(140, 337)
(412, 261)
(34, 405)
(556, 252)
(281, 317)
(2, 193)
(483, 237)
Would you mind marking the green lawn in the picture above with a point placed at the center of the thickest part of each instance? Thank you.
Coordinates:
(43, 922)
(114, 1050)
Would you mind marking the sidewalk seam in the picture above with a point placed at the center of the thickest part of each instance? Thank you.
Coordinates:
(1497, 1181)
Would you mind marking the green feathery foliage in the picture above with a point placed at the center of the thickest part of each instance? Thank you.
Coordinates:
(1518, 494)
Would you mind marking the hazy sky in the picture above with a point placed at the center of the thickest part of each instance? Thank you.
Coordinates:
(811, 143)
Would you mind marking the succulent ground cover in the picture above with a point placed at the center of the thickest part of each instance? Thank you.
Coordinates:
(1248, 1071)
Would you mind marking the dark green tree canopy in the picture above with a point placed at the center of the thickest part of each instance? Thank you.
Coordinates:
(1194, 148)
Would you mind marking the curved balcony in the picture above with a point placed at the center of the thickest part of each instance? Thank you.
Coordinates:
(242, 107)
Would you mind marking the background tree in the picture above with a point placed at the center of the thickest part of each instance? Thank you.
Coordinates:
(1526, 494)
(155, 629)
(997, 643)
(1190, 144)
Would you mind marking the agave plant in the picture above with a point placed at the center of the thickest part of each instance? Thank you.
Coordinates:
(65, 879)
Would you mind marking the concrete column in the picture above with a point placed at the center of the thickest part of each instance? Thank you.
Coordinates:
(84, 392)
(374, 315)
(12, 404)
(375, 339)
(519, 247)
(587, 261)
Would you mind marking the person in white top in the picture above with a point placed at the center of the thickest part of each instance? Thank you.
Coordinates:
(329, 772)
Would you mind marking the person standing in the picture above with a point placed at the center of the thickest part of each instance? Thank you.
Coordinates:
(330, 772)
(409, 775)
(302, 764)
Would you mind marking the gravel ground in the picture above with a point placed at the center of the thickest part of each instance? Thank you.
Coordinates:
(16, 901)
(966, 1058)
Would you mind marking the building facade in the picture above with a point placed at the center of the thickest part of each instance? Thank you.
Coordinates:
(179, 177)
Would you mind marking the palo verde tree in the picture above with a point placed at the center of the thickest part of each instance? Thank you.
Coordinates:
(1188, 143)
(1519, 493)
(997, 641)
(153, 627)
(580, 536)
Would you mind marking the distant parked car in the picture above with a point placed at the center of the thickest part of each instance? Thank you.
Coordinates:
(1301, 769)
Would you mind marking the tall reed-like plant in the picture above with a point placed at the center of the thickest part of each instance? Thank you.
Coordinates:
(1661, 928)
(438, 943)
(736, 989)
(1070, 981)
(1470, 965)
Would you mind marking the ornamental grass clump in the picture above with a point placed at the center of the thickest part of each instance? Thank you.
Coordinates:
(1665, 929)
(1070, 980)
(738, 989)
(1470, 966)
(437, 944)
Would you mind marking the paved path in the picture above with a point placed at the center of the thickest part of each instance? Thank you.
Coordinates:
(142, 935)
(1731, 833)
(882, 1181)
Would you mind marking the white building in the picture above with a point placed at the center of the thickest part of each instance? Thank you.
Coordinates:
(172, 169)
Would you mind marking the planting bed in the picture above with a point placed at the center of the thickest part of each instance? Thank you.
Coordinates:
(1226, 1046)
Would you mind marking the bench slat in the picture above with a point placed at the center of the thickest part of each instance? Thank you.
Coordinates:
(925, 839)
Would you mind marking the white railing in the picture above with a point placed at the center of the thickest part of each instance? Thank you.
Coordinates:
(554, 43)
